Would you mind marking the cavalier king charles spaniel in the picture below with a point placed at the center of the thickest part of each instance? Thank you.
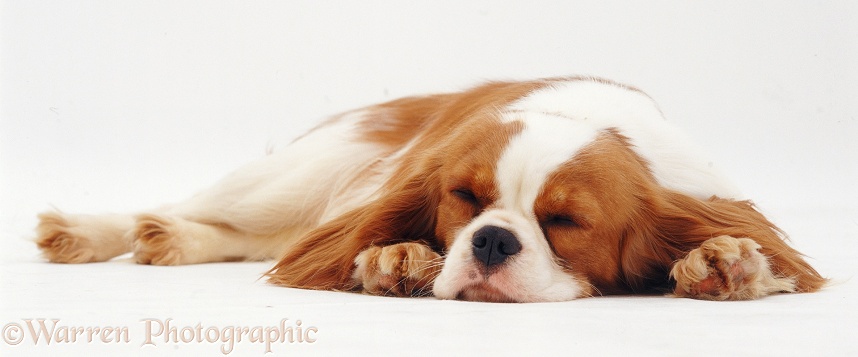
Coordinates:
(544, 190)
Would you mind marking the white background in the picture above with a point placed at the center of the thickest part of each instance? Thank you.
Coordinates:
(117, 106)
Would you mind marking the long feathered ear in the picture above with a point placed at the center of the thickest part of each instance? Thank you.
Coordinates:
(680, 223)
(324, 258)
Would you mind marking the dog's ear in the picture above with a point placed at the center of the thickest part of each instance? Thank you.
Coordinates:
(678, 223)
(324, 258)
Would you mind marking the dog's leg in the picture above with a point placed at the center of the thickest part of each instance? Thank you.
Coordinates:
(404, 269)
(251, 214)
(256, 212)
(170, 240)
(727, 268)
(77, 238)
(154, 239)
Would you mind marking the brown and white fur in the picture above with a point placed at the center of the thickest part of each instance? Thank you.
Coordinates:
(544, 190)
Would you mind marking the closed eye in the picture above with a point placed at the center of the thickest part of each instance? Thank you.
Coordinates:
(466, 196)
(562, 221)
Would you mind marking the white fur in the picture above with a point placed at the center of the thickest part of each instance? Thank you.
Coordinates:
(676, 162)
(253, 213)
(531, 275)
(293, 191)
(293, 187)
(546, 142)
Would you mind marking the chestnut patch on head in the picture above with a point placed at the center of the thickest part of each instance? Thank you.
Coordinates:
(468, 175)
(585, 205)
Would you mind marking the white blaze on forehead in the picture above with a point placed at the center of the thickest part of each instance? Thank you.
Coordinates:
(675, 161)
(545, 143)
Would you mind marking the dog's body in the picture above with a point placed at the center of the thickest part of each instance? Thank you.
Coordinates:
(544, 190)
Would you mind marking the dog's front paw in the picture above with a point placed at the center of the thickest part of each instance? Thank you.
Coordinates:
(727, 268)
(404, 269)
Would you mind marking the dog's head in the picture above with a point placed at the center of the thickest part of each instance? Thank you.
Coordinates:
(552, 206)
(536, 207)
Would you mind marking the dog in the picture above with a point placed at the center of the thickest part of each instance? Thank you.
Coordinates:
(519, 191)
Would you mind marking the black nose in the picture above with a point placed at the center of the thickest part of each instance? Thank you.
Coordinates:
(492, 245)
